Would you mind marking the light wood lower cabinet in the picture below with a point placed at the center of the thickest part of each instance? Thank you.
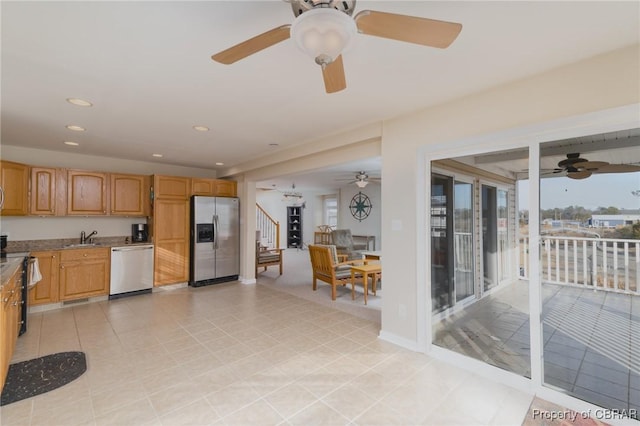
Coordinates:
(46, 291)
(84, 273)
(9, 321)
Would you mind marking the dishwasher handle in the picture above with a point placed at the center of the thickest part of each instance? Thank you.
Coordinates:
(132, 248)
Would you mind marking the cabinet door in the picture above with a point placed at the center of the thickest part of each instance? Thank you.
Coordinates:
(14, 189)
(86, 193)
(129, 195)
(225, 188)
(171, 262)
(84, 278)
(171, 238)
(46, 291)
(9, 322)
(202, 186)
(43, 191)
(171, 187)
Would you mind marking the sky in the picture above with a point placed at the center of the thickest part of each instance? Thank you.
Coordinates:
(598, 190)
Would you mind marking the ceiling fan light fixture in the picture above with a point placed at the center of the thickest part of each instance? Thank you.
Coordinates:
(323, 33)
(361, 183)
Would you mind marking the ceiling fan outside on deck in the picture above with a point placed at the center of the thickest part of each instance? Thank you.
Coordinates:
(581, 168)
(324, 29)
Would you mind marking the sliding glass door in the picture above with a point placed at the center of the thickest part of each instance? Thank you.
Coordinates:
(489, 237)
(442, 278)
(463, 240)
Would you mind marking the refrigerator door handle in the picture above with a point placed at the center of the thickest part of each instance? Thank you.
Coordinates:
(215, 232)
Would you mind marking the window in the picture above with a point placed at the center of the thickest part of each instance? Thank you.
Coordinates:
(331, 210)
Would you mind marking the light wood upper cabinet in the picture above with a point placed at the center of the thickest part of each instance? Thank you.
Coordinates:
(86, 193)
(14, 189)
(226, 188)
(203, 186)
(46, 291)
(84, 273)
(129, 195)
(171, 187)
(213, 187)
(43, 191)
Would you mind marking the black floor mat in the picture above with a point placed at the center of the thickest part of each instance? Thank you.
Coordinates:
(36, 376)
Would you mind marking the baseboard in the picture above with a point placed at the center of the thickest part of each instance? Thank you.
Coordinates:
(412, 345)
(244, 280)
(170, 287)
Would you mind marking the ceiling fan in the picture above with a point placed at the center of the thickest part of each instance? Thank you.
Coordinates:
(362, 179)
(324, 28)
(576, 167)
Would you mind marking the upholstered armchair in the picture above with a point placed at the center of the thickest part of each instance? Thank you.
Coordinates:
(343, 240)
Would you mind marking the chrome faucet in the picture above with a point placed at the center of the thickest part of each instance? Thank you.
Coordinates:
(86, 238)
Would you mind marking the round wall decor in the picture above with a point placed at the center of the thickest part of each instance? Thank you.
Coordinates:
(360, 206)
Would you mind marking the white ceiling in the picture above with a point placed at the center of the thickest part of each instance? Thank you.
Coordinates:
(146, 67)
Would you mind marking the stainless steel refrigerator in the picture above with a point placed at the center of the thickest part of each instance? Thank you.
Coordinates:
(215, 240)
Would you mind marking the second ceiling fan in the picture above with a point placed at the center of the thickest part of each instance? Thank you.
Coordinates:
(576, 167)
(324, 28)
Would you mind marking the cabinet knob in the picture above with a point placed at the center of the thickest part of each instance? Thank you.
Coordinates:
(5, 300)
(85, 255)
(61, 266)
(53, 257)
(15, 303)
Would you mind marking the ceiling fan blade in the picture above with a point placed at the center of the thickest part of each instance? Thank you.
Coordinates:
(333, 74)
(253, 45)
(618, 168)
(591, 166)
(579, 174)
(427, 32)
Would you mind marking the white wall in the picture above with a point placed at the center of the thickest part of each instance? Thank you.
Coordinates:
(369, 226)
(72, 160)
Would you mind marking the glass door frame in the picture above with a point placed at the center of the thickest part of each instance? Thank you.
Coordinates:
(468, 179)
(530, 137)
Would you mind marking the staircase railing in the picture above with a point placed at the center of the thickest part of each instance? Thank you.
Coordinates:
(269, 228)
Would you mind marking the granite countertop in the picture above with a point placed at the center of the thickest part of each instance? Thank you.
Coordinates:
(9, 265)
(68, 243)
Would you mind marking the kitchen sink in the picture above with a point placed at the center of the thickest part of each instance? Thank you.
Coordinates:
(82, 245)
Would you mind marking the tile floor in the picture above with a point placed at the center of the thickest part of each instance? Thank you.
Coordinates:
(233, 354)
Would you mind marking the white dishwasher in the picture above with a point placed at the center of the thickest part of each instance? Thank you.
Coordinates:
(131, 270)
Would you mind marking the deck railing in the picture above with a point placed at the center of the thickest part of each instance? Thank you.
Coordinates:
(597, 263)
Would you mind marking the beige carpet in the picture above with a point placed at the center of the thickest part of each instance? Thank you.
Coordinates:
(296, 280)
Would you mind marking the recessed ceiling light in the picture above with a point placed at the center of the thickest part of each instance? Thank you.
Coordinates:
(157, 155)
(75, 128)
(71, 143)
(79, 102)
(219, 164)
(201, 128)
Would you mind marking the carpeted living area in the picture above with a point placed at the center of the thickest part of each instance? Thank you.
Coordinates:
(297, 280)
